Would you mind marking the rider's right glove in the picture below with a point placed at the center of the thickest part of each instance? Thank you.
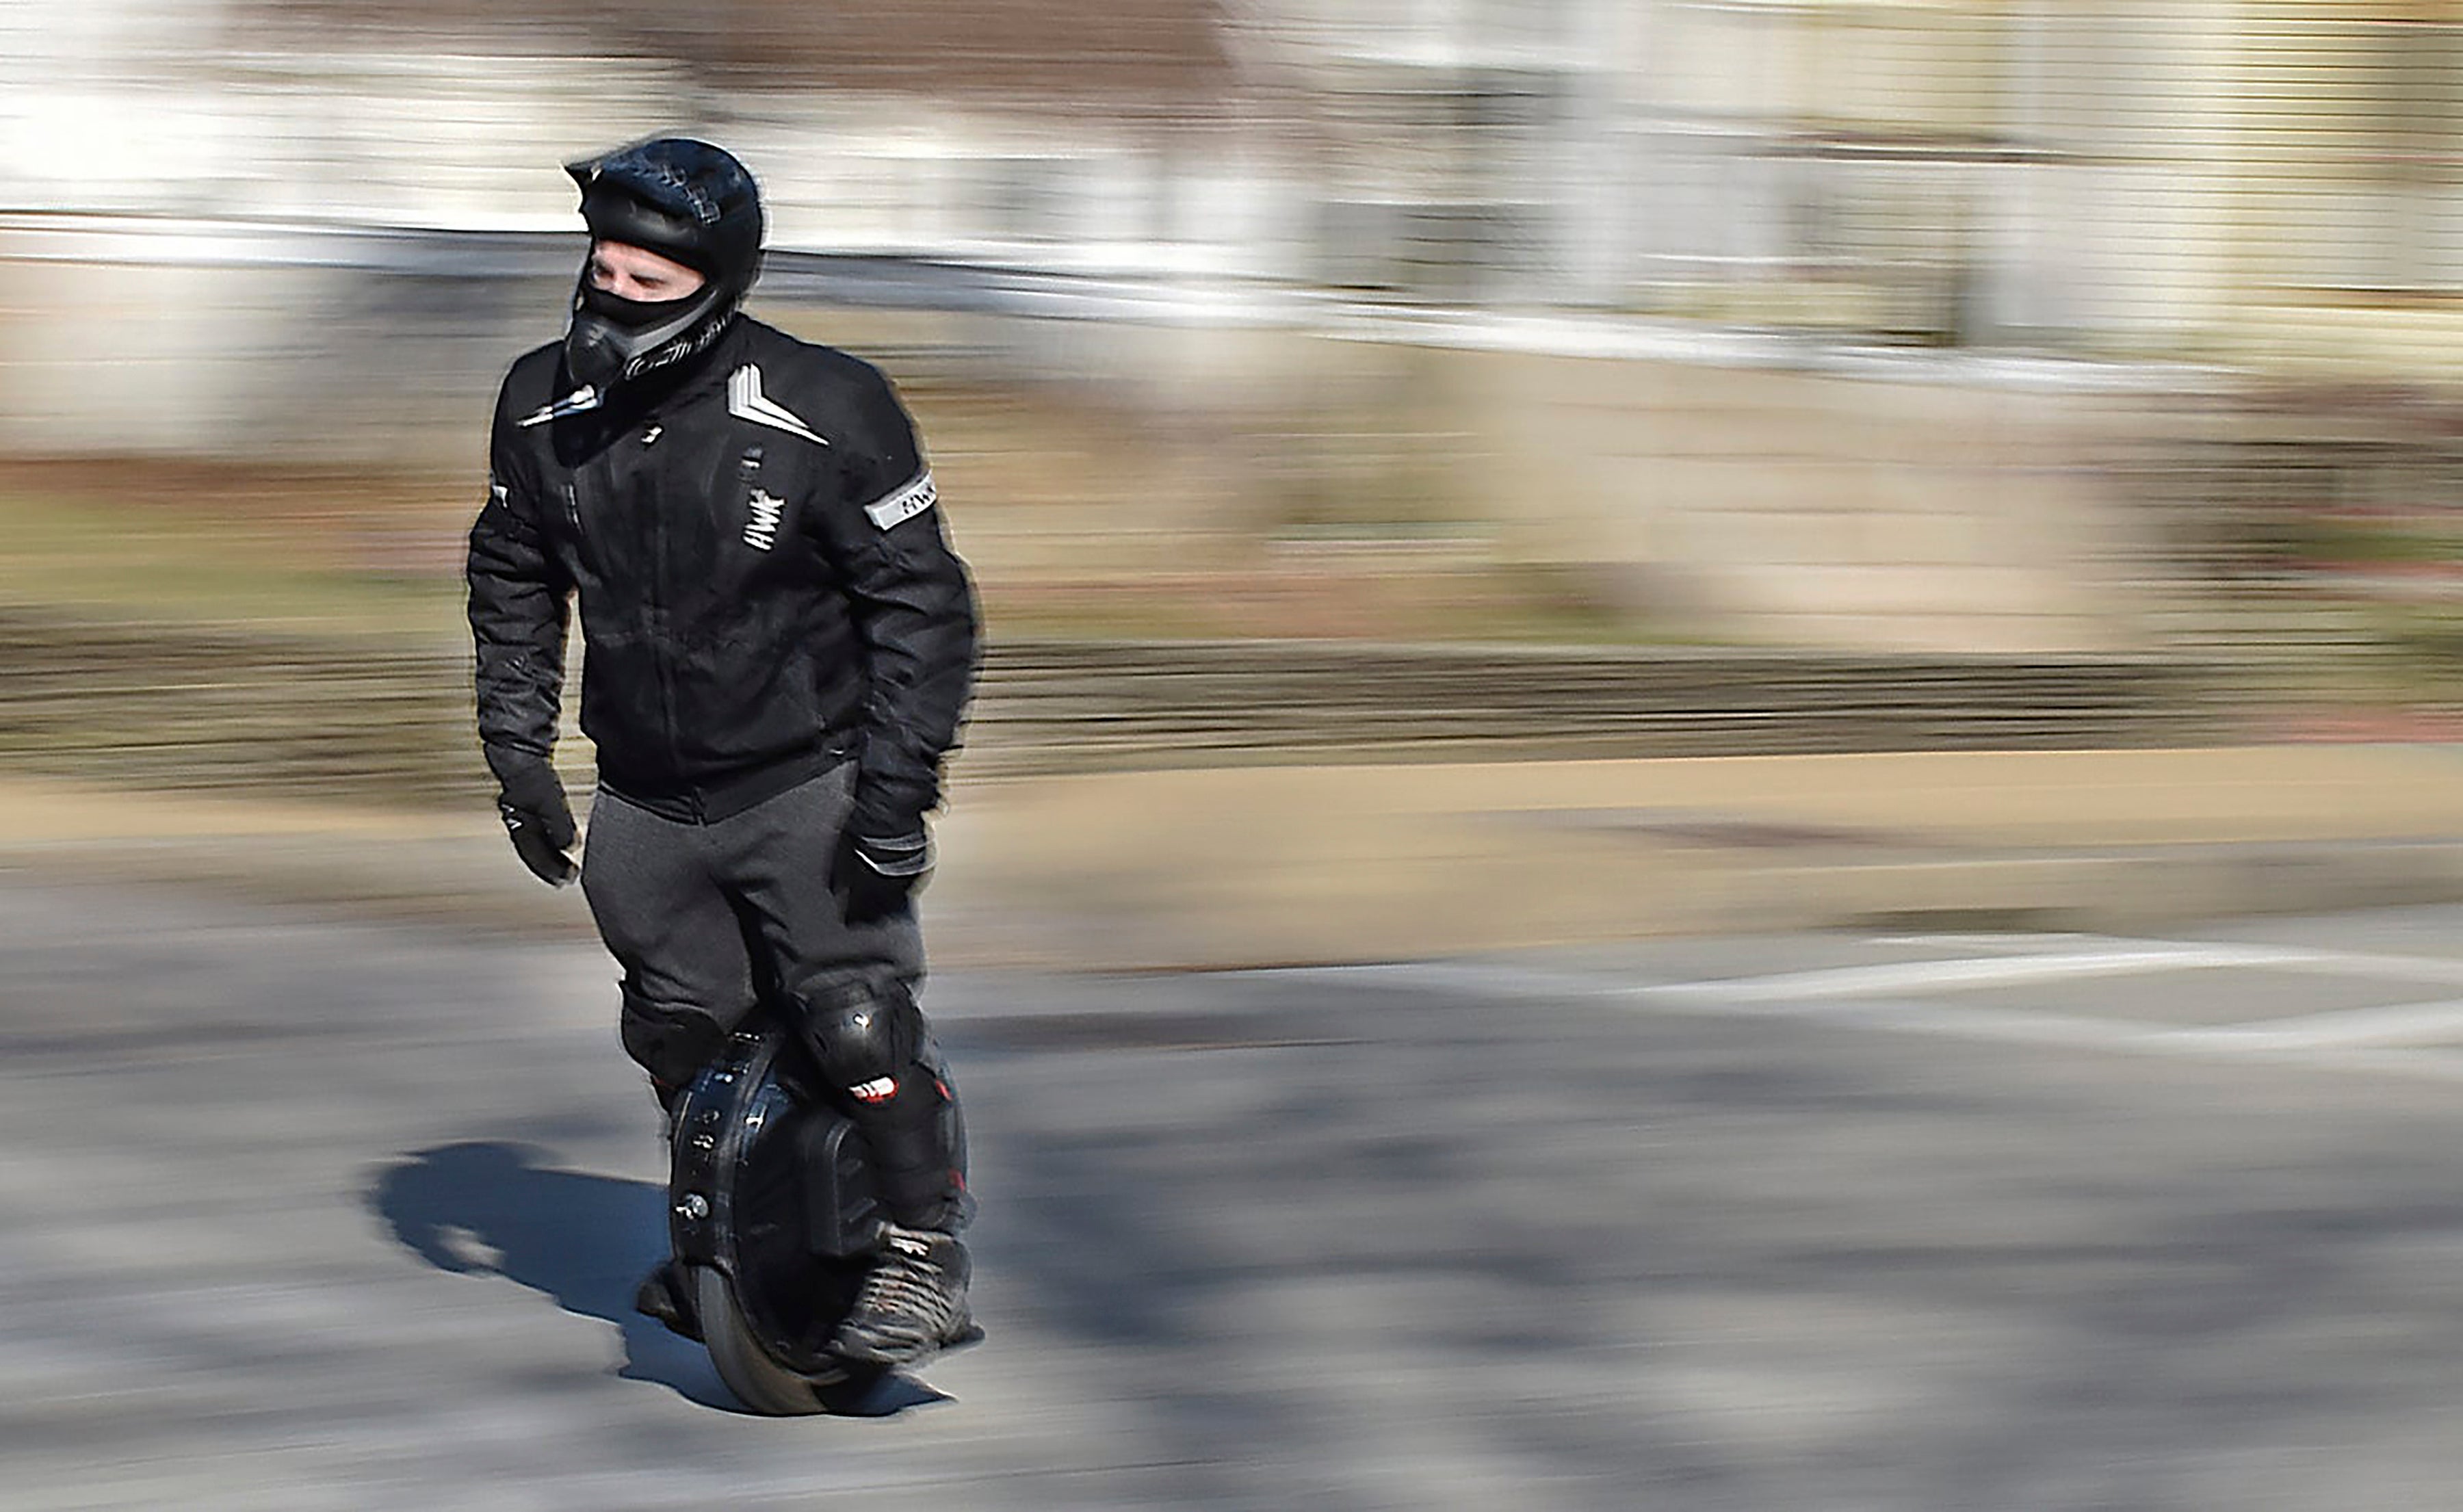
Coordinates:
(878, 874)
(535, 814)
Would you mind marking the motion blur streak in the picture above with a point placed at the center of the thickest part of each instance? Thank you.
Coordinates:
(1839, 546)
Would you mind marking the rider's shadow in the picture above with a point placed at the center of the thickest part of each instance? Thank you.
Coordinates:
(584, 1242)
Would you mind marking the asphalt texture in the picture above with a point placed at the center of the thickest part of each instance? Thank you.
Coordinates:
(308, 1214)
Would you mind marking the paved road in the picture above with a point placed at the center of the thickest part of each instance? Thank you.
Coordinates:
(299, 1215)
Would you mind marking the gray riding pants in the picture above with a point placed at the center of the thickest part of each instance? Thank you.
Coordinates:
(704, 918)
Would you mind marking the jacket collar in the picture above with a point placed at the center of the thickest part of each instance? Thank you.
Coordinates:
(696, 374)
(652, 392)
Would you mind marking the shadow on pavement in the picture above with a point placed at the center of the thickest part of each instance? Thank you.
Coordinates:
(581, 1240)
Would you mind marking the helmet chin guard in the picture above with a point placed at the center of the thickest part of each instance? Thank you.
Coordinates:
(612, 337)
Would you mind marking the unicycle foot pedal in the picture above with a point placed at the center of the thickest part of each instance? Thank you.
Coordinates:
(859, 1359)
(663, 1296)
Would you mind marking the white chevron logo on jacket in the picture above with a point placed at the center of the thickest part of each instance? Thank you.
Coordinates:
(744, 401)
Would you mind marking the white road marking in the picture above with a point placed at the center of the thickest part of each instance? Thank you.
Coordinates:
(1905, 1016)
(2436, 969)
(1948, 1021)
(1998, 971)
(2431, 1065)
(2031, 942)
(2366, 1040)
(2396, 1024)
(2362, 963)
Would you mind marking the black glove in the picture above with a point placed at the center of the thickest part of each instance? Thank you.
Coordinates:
(537, 818)
(878, 875)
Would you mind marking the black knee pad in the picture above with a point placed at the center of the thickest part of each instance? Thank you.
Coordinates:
(669, 1042)
(866, 1037)
(871, 1045)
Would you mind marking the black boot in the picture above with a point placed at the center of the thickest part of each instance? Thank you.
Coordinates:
(665, 1293)
(665, 1297)
(913, 1305)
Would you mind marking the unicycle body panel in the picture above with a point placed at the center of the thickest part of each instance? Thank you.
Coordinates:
(773, 1217)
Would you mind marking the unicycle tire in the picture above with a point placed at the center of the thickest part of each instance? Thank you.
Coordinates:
(759, 1382)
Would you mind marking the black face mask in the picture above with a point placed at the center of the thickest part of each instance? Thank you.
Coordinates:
(635, 315)
(613, 338)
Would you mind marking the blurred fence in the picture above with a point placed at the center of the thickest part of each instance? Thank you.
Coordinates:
(2319, 529)
(361, 720)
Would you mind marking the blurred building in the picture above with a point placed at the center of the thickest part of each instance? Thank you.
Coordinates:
(2210, 178)
(1821, 315)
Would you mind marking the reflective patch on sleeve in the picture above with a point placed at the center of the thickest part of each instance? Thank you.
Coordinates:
(905, 504)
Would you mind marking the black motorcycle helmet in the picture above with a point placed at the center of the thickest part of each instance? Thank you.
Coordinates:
(682, 199)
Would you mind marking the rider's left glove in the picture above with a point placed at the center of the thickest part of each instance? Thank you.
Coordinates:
(536, 816)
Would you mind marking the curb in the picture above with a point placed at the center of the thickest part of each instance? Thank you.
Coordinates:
(1062, 922)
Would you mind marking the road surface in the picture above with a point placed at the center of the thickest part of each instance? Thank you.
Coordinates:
(301, 1213)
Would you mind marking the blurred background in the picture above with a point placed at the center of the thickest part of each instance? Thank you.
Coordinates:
(2066, 371)
(2021, 439)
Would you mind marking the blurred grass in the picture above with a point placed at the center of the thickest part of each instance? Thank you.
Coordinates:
(1085, 524)
(282, 555)
(149, 543)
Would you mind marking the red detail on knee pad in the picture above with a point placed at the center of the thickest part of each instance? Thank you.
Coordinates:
(880, 1089)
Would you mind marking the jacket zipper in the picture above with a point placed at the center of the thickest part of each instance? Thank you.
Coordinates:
(651, 532)
(659, 558)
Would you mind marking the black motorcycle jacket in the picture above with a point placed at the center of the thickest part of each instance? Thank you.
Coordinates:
(764, 583)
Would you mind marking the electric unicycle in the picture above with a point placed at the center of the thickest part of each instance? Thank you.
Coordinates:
(773, 1223)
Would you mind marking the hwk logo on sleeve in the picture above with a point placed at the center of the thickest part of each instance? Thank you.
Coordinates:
(905, 504)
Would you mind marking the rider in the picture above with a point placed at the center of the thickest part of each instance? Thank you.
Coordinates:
(779, 646)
